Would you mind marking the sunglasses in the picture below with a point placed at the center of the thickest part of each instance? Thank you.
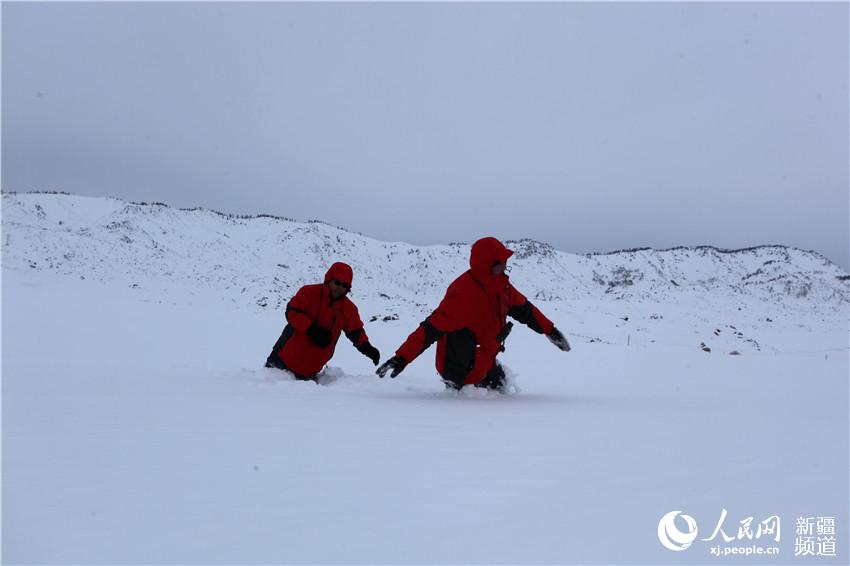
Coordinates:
(339, 283)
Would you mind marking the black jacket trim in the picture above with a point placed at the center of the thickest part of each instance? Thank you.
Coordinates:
(431, 334)
(353, 335)
(524, 314)
(460, 355)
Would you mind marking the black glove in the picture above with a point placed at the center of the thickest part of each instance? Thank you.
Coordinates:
(556, 338)
(321, 337)
(396, 363)
(370, 352)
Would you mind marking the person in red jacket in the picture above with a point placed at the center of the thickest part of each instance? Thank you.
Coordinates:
(469, 324)
(316, 316)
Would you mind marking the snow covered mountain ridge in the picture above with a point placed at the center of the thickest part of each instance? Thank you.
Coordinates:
(261, 260)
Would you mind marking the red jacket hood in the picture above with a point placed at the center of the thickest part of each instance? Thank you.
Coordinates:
(486, 252)
(341, 272)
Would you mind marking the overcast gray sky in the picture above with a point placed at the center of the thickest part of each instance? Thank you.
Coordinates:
(593, 126)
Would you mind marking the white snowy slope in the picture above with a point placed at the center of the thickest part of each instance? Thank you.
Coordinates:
(140, 427)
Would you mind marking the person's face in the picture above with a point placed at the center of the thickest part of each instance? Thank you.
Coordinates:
(338, 288)
(498, 268)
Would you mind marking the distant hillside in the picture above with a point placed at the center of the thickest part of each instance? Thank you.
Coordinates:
(262, 260)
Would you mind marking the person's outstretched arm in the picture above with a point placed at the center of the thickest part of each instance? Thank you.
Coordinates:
(523, 311)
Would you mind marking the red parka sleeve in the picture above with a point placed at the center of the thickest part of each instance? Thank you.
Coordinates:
(353, 326)
(299, 308)
(443, 320)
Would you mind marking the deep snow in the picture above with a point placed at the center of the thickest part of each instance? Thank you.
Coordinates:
(145, 432)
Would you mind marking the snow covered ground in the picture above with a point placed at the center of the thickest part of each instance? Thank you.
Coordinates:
(137, 430)
(139, 425)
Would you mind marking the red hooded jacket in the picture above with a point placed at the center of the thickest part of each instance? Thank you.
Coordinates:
(467, 323)
(313, 304)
